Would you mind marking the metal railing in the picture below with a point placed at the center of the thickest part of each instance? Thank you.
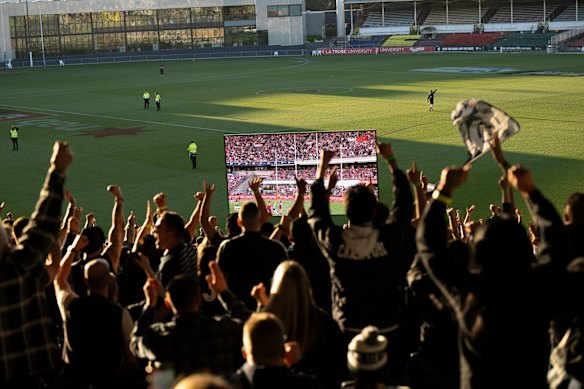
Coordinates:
(564, 36)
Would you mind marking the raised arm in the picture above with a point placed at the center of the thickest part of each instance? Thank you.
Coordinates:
(41, 234)
(553, 245)
(431, 234)
(297, 209)
(145, 228)
(69, 213)
(61, 282)
(129, 230)
(116, 232)
(193, 223)
(319, 208)
(402, 207)
(209, 229)
(415, 178)
(254, 185)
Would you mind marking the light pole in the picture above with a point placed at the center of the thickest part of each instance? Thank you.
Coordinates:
(42, 36)
(3, 32)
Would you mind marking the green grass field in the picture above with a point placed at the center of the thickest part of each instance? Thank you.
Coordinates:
(203, 100)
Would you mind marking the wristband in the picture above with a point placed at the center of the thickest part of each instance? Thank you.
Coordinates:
(506, 165)
(436, 195)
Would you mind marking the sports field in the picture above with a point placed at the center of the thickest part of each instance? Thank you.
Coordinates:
(99, 110)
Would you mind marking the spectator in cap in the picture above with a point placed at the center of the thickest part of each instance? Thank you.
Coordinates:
(367, 360)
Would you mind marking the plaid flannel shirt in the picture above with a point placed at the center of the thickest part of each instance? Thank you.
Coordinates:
(27, 343)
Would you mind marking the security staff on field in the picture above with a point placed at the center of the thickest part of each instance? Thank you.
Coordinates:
(157, 99)
(146, 97)
(14, 137)
(193, 153)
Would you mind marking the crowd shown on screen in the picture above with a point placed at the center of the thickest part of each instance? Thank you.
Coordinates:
(286, 148)
(412, 293)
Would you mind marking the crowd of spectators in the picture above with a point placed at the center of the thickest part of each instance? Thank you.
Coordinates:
(289, 147)
(406, 294)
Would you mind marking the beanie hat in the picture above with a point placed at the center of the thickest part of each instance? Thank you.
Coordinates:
(367, 351)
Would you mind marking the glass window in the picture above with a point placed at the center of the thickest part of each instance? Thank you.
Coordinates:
(208, 37)
(109, 43)
(244, 12)
(77, 44)
(241, 36)
(207, 15)
(174, 17)
(175, 39)
(108, 21)
(17, 26)
(142, 40)
(52, 45)
(138, 20)
(75, 23)
(277, 11)
(295, 10)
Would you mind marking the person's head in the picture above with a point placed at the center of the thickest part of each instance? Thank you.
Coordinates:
(183, 294)
(360, 204)
(367, 357)
(263, 340)
(501, 249)
(574, 209)
(96, 239)
(300, 231)
(192, 141)
(249, 217)
(203, 381)
(266, 229)
(97, 276)
(232, 227)
(292, 302)
(169, 230)
(205, 254)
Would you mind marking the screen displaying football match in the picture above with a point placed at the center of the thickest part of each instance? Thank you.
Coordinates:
(280, 158)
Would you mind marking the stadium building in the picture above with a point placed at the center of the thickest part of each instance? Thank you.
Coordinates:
(38, 29)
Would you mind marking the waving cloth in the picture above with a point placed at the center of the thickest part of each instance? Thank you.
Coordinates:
(477, 120)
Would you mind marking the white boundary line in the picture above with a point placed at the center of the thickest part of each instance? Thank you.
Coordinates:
(31, 109)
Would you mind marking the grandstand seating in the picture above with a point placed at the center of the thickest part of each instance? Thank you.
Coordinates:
(484, 39)
(577, 43)
(393, 15)
(524, 40)
(569, 14)
(367, 41)
(457, 14)
(522, 14)
(398, 14)
(401, 40)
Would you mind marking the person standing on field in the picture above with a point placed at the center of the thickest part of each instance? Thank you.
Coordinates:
(430, 98)
(193, 153)
(14, 137)
(157, 100)
(146, 97)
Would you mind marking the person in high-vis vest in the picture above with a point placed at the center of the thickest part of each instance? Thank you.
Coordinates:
(157, 100)
(146, 97)
(193, 153)
(14, 137)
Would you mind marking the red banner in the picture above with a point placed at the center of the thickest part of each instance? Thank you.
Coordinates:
(376, 50)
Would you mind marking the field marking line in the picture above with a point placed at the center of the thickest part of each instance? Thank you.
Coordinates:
(115, 118)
